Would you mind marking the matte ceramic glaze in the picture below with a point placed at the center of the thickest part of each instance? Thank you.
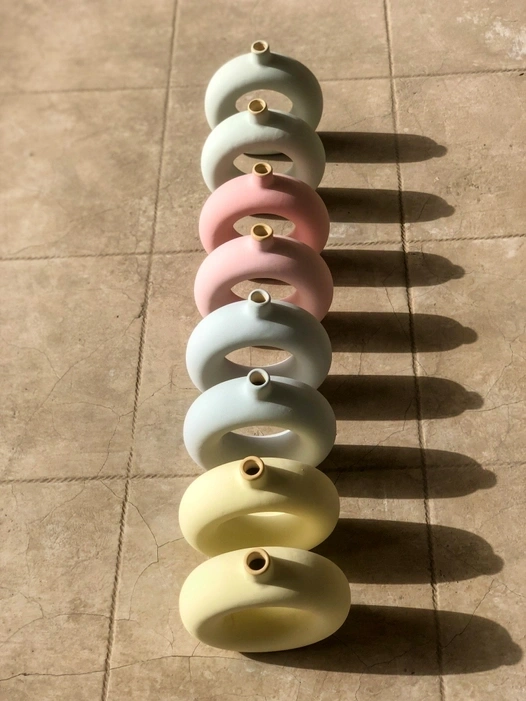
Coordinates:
(259, 501)
(262, 69)
(306, 417)
(258, 321)
(263, 255)
(264, 599)
(260, 130)
(264, 192)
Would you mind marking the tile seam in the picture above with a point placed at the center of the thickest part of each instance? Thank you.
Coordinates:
(401, 76)
(138, 476)
(67, 91)
(382, 242)
(414, 363)
(138, 379)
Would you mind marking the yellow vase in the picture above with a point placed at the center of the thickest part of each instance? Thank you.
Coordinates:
(262, 600)
(259, 501)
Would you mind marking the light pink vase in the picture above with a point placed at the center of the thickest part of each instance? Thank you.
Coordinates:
(264, 192)
(263, 255)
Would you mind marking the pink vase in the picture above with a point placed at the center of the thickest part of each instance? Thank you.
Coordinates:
(264, 192)
(263, 255)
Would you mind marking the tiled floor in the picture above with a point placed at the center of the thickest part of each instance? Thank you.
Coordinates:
(101, 128)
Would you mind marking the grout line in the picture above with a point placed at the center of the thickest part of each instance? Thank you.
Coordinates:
(414, 361)
(138, 476)
(446, 74)
(61, 91)
(145, 476)
(378, 242)
(401, 76)
(499, 237)
(140, 363)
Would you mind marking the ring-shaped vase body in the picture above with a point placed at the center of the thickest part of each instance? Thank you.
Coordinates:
(263, 600)
(261, 69)
(260, 130)
(259, 501)
(306, 417)
(263, 191)
(264, 256)
(258, 321)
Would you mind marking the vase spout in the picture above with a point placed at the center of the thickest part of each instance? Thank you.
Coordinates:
(260, 52)
(259, 383)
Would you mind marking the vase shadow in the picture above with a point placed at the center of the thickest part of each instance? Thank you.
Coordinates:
(378, 147)
(372, 551)
(398, 641)
(392, 397)
(380, 268)
(387, 332)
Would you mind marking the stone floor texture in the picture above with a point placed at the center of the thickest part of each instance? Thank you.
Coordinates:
(102, 124)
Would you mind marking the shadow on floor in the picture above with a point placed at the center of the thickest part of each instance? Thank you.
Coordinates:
(377, 206)
(402, 641)
(378, 147)
(396, 552)
(394, 472)
(374, 268)
(392, 397)
(388, 332)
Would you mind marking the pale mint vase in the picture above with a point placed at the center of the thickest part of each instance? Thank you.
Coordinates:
(260, 130)
(261, 69)
(258, 321)
(306, 417)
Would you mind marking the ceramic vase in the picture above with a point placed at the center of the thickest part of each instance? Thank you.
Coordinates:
(264, 599)
(306, 417)
(261, 69)
(258, 321)
(263, 255)
(260, 130)
(264, 192)
(259, 501)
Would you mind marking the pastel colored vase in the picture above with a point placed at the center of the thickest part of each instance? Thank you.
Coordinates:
(258, 321)
(264, 599)
(264, 192)
(262, 69)
(260, 130)
(259, 501)
(263, 255)
(306, 417)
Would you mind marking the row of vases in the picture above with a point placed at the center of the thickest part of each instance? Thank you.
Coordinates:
(264, 504)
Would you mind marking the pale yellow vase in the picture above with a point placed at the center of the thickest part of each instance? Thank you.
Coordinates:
(262, 600)
(259, 501)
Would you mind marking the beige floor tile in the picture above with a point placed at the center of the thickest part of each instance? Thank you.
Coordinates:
(393, 603)
(441, 37)
(80, 172)
(473, 395)
(349, 40)
(182, 190)
(156, 562)
(57, 573)
(360, 184)
(84, 687)
(69, 348)
(166, 389)
(484, 633)
(482, 174)
(196, 678)
(87, 44)
(370, 385)
(380, 542)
